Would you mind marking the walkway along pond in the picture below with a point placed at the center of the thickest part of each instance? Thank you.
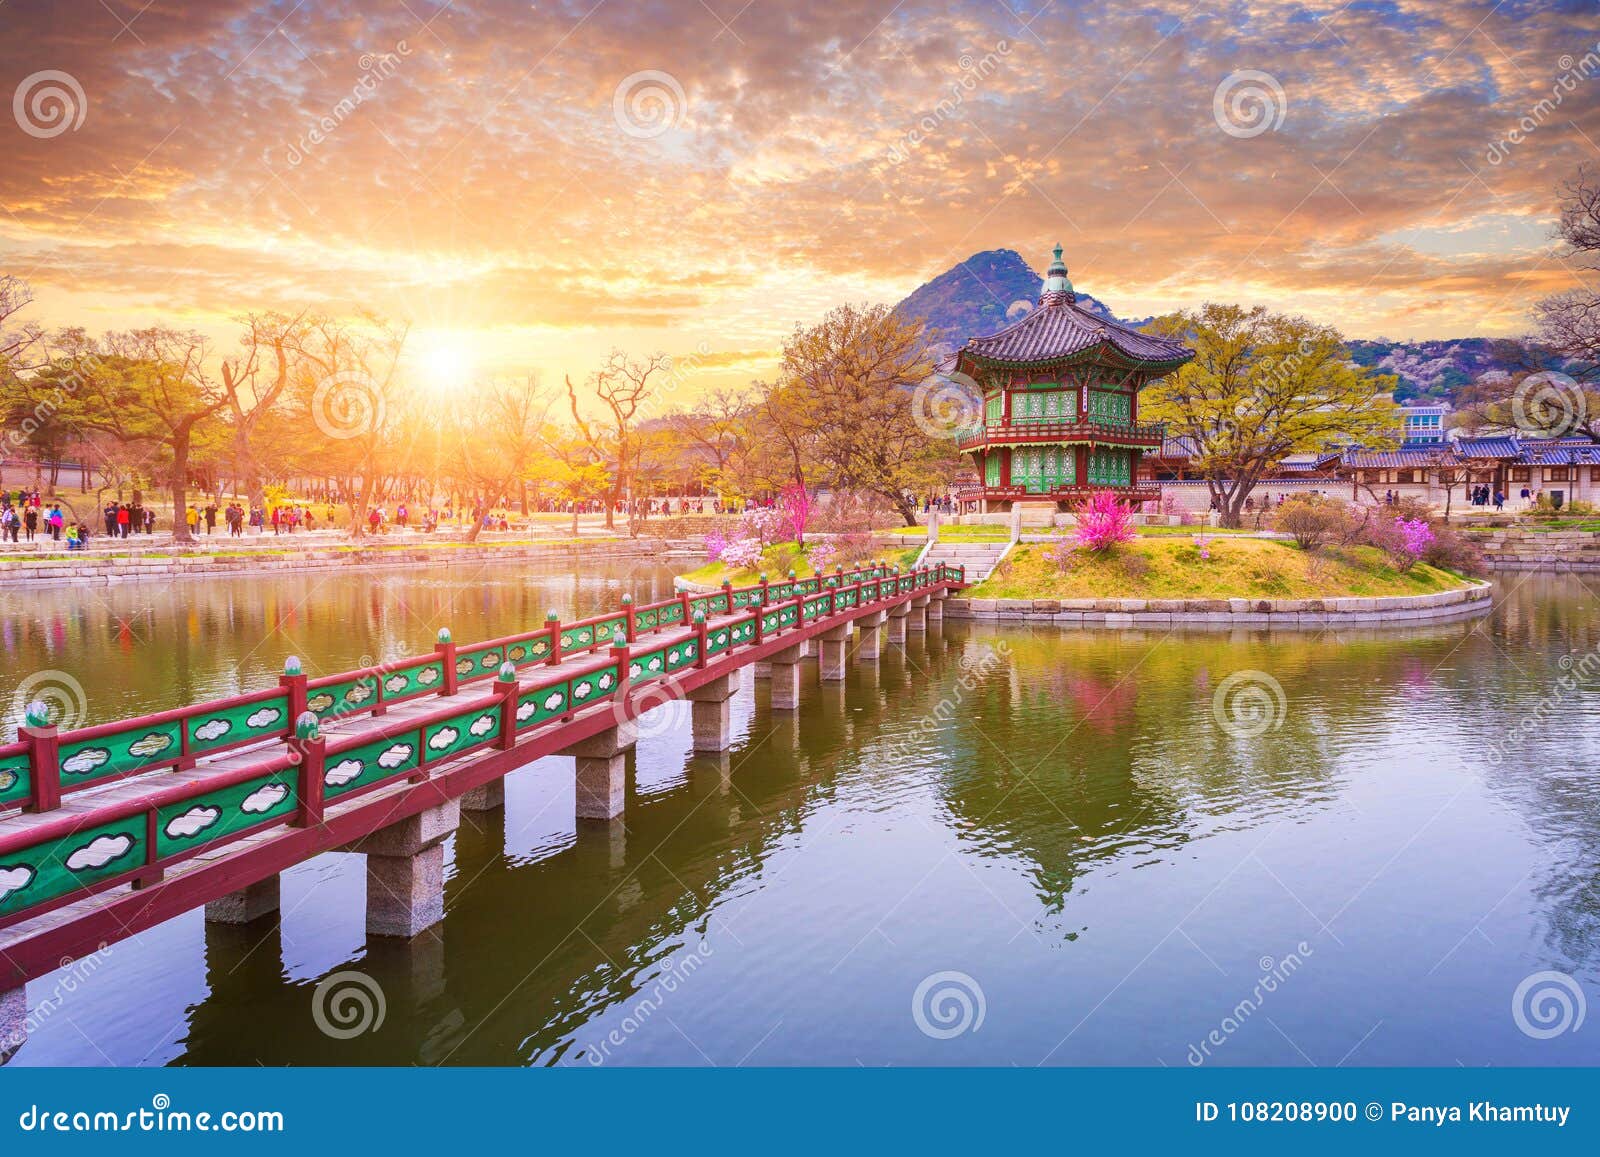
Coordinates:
(207, 804)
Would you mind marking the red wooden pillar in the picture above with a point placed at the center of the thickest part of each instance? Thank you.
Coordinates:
(44, 765)
(445, 648)
(700, 633)
(630, 626)
(293, 682)
(310, 750)
(552, 623)
(506, 687)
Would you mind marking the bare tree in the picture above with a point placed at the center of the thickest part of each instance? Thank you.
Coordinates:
(623, 386)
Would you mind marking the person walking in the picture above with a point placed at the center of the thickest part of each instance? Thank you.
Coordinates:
(54, 521)
(110, 514)
(191, 517)
(30, 521)
(124, 519)
(211, 517)
(8, 523)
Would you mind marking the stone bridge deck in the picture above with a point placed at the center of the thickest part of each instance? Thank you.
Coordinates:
(127, 824)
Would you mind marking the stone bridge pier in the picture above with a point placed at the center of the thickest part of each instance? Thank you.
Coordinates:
(13, 1021)
(405, 871)
(832, 646)
(602, 771)
(712, 713)
(917, 616)
(870, 646)
(785, 666)
(898, 615)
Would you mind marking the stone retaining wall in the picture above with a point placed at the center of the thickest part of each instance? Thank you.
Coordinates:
(1293, 613)
(90, 570)
(1555, 550)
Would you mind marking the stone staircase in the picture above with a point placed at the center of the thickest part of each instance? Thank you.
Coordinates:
(978, 557)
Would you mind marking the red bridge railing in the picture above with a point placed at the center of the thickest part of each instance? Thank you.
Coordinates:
(298, 769)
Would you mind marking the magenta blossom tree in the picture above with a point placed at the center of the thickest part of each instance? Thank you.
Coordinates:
(796, 503)
(1103, 522)
(1413, 537)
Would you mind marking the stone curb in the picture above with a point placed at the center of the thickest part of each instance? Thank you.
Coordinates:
(1475, 599)
(92, 571)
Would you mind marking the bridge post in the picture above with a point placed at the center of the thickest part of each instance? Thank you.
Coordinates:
(711, 706)
(248, 904)
(897, 616)
(935, 610)
(13, 1021)
(870, 646)
(917, 619)
(831, 653)
(602, 771)
(405, 871)
(44, 758)
(786, 679)
(445, 648)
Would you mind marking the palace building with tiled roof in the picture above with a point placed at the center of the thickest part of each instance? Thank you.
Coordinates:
(1061, 403)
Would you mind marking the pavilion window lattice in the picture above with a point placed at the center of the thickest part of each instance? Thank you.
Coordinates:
(1110, 409)
(1110, 467)
(1050, 405)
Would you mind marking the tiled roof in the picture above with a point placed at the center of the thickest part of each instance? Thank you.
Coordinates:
(1402, 459)
(1496, 447)
(1059, 329)
(1181, 446)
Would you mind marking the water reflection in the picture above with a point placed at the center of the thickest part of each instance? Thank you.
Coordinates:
(1080, 837)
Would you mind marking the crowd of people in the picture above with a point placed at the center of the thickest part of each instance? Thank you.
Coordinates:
(25, 513)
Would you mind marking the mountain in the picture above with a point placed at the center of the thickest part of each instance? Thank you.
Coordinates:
(983, 294)
(988, 291)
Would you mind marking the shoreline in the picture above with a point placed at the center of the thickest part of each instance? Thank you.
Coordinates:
(1228, 612)
(87, 569)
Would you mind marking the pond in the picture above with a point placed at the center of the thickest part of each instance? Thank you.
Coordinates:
(998, 845)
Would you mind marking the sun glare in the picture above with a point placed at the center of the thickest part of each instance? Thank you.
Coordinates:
(444, 363)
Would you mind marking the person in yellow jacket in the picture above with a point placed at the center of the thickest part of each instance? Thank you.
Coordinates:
(192, 517)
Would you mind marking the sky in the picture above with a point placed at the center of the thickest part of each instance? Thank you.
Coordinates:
(533, 184)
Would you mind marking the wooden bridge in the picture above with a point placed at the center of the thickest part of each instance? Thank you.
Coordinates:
(108, 830)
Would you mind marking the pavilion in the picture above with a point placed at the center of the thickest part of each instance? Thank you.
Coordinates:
(1061, 403)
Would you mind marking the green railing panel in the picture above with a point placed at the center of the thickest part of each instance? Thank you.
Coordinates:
(671, 613)
(605, 631)
(681, 655)
(741, 633)
(414, 680)
(461, 732)
(595, 687)
(61, 867)
(526, 651)
(780, 591)
(208, 729)
(476, 662)
(646, 620)
(650, 665)
(219, 814)
(16, 779)
(370, 763)
(545, 703)
(718, 640)
(746, 598)
(136, 748)
(344, 698)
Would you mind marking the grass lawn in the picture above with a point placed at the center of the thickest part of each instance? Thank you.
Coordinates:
(1157, 568)
(776, 561)
(949, 533)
